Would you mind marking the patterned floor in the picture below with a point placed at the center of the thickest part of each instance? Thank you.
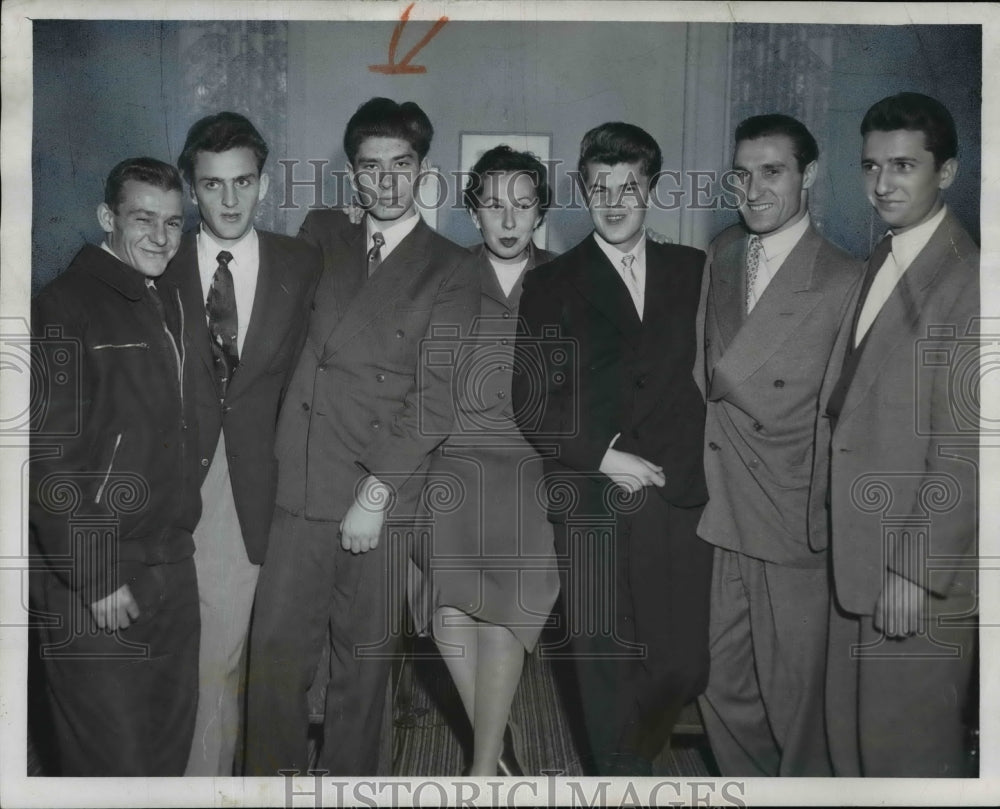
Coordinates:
(432, 735)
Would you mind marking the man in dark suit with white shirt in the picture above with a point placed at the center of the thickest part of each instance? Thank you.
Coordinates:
(363, 414)
(247, 293)
(603, 389)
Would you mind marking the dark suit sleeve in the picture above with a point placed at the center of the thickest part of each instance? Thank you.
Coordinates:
(309, 230)
(427, 414)
(700, 371)
(546, 377)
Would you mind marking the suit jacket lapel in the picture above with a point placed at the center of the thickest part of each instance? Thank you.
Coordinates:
(729, 289)
(272, 308)
(342, 277)
(901, 310)
(603, 287)
(379, 291)
(783, 307)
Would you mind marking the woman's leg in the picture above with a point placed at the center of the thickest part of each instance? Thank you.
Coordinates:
(457, 638)
(498, 671)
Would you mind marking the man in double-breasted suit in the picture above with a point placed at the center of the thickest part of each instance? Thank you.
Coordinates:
(603, 389)
(774, 291)
(247, 293)
(366, 407)
(901, 412)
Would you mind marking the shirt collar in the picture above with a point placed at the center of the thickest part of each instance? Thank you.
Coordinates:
(906, 246)
(780, 244)
(615, 255)
(242, 251)
(393, 234)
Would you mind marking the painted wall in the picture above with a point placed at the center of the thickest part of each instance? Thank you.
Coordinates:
(104, 90)
(556, 78)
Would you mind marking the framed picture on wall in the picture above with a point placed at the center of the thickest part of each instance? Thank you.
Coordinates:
(472, 145)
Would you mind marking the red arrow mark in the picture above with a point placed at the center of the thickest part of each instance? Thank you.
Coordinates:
(404, 66)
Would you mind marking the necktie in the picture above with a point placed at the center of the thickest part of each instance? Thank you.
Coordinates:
(375, 254)
(222, 319)
(632, 281)
(880, 279)
(753, 267)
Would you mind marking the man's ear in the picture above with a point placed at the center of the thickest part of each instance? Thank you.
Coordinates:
(106, 217)
(809, 175)
(265, 181)
(947, 172)
(350, 175)
(474, 215)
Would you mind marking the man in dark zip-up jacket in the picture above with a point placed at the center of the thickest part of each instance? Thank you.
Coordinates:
(114, 492)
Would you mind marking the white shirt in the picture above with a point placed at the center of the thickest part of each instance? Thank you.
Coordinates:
(637, 288)
(244, 266)
(393, 234)
(774, 250)
(508, 274)
(905, 247)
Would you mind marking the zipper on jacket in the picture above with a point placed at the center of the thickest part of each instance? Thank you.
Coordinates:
(114, 453)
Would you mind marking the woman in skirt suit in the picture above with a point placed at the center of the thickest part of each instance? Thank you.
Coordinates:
(486, 581)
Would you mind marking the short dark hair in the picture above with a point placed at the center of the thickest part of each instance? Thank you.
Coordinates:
(617, 142)
(761, 126)
(918, 113)
(384, 118)
(147, 170)
(504, 160)
(220, 133)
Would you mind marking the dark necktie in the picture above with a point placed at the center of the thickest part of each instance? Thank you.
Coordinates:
(852, 355)
(222, 320)
(878, 258)
(375, 254)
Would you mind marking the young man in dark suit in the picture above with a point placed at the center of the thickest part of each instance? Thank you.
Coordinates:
(774, 292)
(363, 413)
(248, 294)
(114, 491)
(901, 410)
(603, 389)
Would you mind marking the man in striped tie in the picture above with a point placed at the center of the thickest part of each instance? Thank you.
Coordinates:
(901, 400)
(773, 296)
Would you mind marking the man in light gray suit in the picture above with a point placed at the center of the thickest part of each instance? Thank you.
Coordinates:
(901, 409)
(773, 295)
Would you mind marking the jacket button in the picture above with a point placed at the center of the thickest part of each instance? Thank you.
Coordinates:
(758, 426)
(754, 463)
(376, 424)
(506, 315)
(779, 383)
(713, 446)
(501, 394)
(204, 461)
(641, 381)
(380, 377)
(322, 368)
(504, 341)
(305, 406)
(226, 408)
(399, 334)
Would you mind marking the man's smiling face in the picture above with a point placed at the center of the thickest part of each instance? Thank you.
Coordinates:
(773, 188)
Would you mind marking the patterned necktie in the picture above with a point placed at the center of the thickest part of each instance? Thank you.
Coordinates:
(875, 289)
(632, 281)
(375, 254)
(753, 267)
(222, 320)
